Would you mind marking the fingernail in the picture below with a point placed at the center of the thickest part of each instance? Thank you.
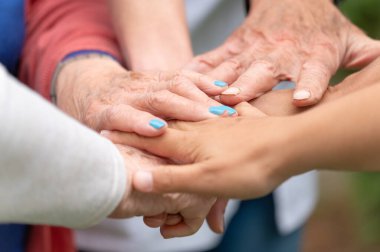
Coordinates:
(143, 180)
(231, 91)
(220, 83)
(301, 95)
(156, 123)
(220, 110)
(105, 133)
(230, 110)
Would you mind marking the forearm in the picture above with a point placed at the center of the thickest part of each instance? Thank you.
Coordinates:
(53, 170)
(153, 34)
(341, 135)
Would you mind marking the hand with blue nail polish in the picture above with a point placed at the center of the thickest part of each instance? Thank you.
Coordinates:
(157, 123)
(103, 95)
(222, 110)
(302, 41)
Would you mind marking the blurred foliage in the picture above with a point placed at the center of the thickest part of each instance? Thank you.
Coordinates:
(366, 186)
(365, 14)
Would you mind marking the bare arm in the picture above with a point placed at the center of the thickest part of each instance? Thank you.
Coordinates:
(153, 34)
(255, 154)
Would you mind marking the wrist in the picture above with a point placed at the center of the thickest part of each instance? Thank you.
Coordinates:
(70, 59)
(275, 153)
(293, 147)
(78, 79)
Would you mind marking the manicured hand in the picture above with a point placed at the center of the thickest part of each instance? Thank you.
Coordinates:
(305, 41)
(103, 95)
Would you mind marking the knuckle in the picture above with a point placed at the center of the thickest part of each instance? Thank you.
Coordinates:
(234, 65)
(206, 61)
(112, 114)
(234, 46)
(154, 100)
(265, 68)
(178, 83)
(194, 228)
(316, 68)
(264, 65)
(287, 37)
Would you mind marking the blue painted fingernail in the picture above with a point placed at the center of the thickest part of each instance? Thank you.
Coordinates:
(219, 110)
(156, 123)
(230, 110)
(220, 83)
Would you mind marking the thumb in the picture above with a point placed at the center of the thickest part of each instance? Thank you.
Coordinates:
(362, 51)
(191, 178)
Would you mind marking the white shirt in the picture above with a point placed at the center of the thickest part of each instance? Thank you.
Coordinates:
(53, 170)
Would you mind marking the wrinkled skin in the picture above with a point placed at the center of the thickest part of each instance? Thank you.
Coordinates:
(103, 95)
(305, 41)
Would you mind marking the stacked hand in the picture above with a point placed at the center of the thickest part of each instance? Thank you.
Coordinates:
(211, 156)
(103, 95)
(305, 41)
(243, 157)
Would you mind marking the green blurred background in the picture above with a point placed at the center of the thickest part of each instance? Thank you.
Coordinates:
(366, 186)
(347, 217)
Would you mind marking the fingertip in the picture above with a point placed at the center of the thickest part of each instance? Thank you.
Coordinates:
(230, 96)
(155, 221)
(157, 123)
(220, 83)
(106, 133)
(166, 232)
(301, 94)
(143, 181)
(304, 97)
(230, 100)
(153, 128)
(246, 109)
(303, 103)
(222, 110)
(173, 219)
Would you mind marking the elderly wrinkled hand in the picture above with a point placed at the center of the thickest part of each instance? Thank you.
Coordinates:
(177, 214)
(305, 41)
(103, 95)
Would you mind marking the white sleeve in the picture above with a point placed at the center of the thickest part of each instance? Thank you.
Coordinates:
(53, 170)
